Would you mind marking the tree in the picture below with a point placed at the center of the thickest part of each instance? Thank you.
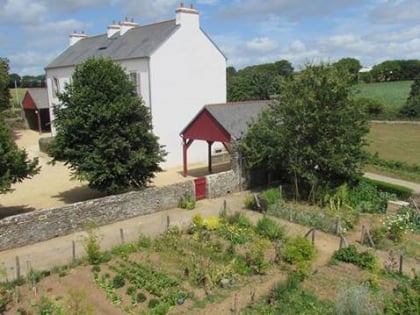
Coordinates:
(14, 163)
(4, 84)
(256, 82)
(104, 131)
(14, 77)
(351, 65)
(314, 132)
(411, 108)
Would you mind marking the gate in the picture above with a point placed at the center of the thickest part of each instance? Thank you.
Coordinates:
(200, 188)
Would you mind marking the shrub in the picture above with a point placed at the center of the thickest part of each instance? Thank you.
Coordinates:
(118, 282)
(239, 220)
(270, 229)
(131, 290)
(300, 252)
(92, 246)
(400, 191)
(140, 298)
(271, 196)
(298, 249)
(359, 299)
(364, 260)
(372, 107)
(153, 303)
(186, 201)
(366, 197)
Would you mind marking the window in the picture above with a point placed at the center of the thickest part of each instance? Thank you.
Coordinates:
(135, 78)
(56, 86)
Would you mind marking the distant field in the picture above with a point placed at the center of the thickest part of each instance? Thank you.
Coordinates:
(20, 94)
(396, 141)
(392, 94)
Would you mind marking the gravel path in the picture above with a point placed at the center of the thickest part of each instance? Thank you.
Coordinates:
(414, 186)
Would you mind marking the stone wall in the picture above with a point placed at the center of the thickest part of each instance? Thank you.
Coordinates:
(42, 225)
(221, 184)
(37, 226)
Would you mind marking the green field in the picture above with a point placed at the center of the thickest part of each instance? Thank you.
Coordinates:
(400, 142)
(20, 94)
(392, 94)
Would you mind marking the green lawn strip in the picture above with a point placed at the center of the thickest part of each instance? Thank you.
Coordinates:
(399, 142)
(399, 174)
(392, 94)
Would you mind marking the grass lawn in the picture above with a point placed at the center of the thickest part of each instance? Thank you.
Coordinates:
(392, 94)
(399, 142)
(20, 94)
(395, 141)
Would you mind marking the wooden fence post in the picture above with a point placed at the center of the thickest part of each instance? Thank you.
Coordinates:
(400, 270)
(17, 267)
(73, 251)
(168, 222)
(122, 235)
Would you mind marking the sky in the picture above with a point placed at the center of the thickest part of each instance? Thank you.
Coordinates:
(34, 32)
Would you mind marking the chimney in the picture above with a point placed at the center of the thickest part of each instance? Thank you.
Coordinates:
(127, 25)
(112, 29)
(75, 37)
(187, 16)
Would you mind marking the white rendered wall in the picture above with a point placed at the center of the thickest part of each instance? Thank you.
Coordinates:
(187, 72)
(64, 74)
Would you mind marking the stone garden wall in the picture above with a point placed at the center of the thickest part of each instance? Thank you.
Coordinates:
(37, 226)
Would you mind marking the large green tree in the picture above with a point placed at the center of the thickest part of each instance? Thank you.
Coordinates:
(411, 108)
(104, 131)
(351, 65)
(314, 132)
(14, 163)
(4, 84)
(257, 82)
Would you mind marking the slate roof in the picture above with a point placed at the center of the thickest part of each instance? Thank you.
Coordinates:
(40, 97)
(141, 41)
(235, 117)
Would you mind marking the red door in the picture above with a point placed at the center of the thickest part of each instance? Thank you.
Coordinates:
(200, 188)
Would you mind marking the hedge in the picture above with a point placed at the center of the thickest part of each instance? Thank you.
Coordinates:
(401, 191)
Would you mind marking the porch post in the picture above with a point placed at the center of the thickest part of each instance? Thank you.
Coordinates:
(210, 143)
(38, 115)
(184, 155)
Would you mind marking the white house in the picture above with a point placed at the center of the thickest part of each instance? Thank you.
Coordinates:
(175, 66)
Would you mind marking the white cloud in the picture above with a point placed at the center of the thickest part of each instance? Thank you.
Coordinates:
(396, 11)
(31, 62)
(22, 11)
(261, 44)
(148, 9)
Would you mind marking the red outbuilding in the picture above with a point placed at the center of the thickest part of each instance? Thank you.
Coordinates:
(225, 123)
(36, 109)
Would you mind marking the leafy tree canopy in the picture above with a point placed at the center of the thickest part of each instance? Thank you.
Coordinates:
(411, 109)
(351, 65)
(314, 132)
(14, 163)
(4, 84)
(104, 131)
(256, 82)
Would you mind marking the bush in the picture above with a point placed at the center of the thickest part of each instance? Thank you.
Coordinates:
(118, 282)
(45, 143)
(140, 298)
(239, 220)
(298, 250)
(186, 201)
(366, 197)
(364, 260)
(153, 303)
(400, 191)
(270, 229)
(271, 196)
(372, 107)
(359, 299)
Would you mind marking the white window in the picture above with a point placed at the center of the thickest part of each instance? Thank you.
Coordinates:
(135, 78)
(56, 86)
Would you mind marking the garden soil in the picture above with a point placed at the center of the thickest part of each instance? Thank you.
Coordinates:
(36, 194)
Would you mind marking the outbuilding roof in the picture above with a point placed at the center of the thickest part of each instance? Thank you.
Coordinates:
(235, 117)
(39, 96)
(138, 42)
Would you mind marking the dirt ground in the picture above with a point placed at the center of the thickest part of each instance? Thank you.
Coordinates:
(53, 185)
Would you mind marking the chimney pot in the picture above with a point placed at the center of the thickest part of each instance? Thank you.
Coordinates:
(191, 6)
(181, 5)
